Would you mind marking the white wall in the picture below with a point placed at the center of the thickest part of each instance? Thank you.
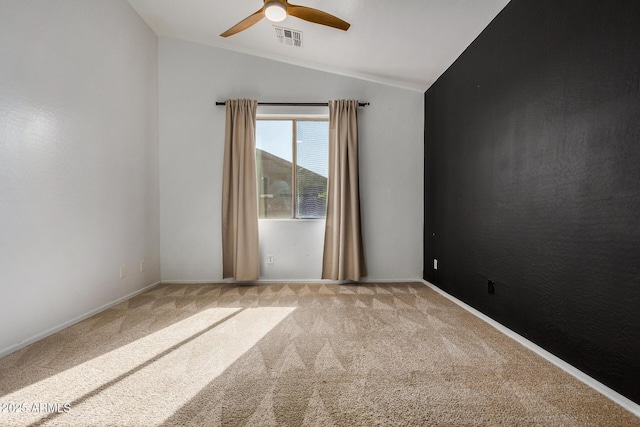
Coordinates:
(296, 247)
(192, 77)
(78, 161)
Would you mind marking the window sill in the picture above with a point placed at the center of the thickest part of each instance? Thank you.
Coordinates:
(293, 219)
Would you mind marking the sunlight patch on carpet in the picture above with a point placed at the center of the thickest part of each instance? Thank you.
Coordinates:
(147, 380)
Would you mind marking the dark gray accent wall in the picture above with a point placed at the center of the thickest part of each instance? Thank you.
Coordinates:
(532, 180)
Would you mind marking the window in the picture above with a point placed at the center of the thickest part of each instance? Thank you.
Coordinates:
(292, 154)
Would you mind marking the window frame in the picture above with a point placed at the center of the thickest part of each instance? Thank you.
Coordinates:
(294, 118)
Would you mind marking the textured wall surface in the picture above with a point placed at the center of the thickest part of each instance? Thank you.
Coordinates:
(532, 180)
(193, 77)
(78, 161)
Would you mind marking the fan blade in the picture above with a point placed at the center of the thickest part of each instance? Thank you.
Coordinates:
(244, 24)
(317, 16)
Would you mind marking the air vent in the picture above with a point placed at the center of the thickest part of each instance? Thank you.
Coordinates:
(289, 37)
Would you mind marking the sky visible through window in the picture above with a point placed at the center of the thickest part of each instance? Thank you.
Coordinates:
(275, 137)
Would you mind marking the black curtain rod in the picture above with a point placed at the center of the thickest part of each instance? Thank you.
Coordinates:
(298, 104)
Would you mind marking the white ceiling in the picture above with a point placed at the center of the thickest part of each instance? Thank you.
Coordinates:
(405, 43)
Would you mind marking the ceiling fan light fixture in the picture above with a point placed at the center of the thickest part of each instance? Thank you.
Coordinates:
(275, 11)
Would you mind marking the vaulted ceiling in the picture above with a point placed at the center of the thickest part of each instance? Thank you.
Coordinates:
(405, 43)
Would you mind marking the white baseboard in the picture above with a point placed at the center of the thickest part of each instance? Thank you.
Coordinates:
(338, 282)
(73, 321)
(626, 403)
(192, 282)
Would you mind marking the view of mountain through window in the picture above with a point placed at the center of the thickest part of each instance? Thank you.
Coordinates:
(292, 155)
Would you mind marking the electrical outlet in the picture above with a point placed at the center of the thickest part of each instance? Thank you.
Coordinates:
(270, 259)
(141, 265)
(491, 287)
(123, 271)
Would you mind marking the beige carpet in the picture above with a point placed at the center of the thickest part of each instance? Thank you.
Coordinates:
(291, 354)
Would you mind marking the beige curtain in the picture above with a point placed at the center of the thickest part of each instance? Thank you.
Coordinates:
(240, 252)
(343, 250)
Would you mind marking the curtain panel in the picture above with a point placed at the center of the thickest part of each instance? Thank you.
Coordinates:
(343, 257)
(240, 250)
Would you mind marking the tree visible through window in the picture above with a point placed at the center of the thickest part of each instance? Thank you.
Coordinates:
(292, 154)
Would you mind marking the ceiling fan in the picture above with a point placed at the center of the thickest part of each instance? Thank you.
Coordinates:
(277, 10)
